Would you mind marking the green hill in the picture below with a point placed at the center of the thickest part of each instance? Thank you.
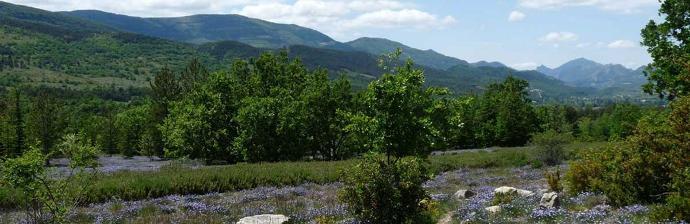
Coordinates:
(199, 29)
(430, 58)
(34, 49)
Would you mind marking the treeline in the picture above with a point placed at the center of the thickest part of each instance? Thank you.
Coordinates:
(273, 108)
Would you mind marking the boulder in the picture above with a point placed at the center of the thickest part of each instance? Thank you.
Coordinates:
(493, 209)
(463, 194)
(510, 190)
(264, 219)
(550, 200)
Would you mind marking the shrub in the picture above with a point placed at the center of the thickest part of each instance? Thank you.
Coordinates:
(650, 166)
(504, 198)
(677, 205)
(554, 180)
(550, 146)
(48, 199)
(379, 190)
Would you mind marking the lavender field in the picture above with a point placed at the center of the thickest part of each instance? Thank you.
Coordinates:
(318, 203)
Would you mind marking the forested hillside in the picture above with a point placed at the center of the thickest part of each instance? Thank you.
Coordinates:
(201, 29)
(60, 50)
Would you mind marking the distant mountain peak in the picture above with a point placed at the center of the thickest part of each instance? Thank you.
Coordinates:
(583, 72)
(431, 58)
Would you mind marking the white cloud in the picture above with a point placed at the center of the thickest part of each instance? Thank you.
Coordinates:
(525, 66)
(340, 18)
(516, 16)
(623, 6)
(400, 18)
(555, 37)
(143, 8)
(619, 44)
(583, 45)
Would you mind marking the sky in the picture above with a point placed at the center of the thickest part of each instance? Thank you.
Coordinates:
(520, 33)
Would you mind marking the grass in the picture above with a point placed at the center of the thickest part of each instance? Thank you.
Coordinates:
(180, 180)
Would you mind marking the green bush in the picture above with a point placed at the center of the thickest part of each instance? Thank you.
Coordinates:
(380, 190)
(504, 198)
(549, 146)
(677, 205)
(650, 166)
(553, 179)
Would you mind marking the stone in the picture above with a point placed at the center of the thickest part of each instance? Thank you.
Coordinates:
(463, 194)
(264, 219)
(550, 200)
(510, 190)
(493, 209)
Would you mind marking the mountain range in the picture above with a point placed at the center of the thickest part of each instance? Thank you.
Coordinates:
(94, 48)
(582, 72)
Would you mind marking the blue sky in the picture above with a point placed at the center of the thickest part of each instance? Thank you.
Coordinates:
(519, 33)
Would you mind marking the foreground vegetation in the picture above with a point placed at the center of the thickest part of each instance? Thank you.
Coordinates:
(178, 178)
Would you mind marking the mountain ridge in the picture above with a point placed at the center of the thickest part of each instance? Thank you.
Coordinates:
(582, 72)
(197, 29)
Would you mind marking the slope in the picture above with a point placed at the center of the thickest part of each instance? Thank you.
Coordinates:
(430, 58)
(582, 72)
(200, 29)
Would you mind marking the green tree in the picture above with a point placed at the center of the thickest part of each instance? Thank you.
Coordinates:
(201, 124)
(397, 120)
(166, 88)
(324, 127)
(668, 43)
(193, 76)
(507, 114)
(44, 122)
(131, 124)
(18, 123)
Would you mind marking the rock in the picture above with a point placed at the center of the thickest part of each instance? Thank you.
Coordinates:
(543, 191)
(510, 190)
(550, 200)
(493, 209)
(264, 219)
(463, 194)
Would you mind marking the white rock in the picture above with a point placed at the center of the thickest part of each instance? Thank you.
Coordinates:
(510, 190)
(264, 219)
(550, 200)
(493, 209)
(463, 194)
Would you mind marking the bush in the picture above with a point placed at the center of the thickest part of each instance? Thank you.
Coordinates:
(46, 199)
(550, 146)
(554, 180)
(650, 166)
(504, 198)
(677, 205)
(381, 191)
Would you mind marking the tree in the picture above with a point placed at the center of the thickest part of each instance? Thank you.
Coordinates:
(108, 136)
(507, 114)
(397, 120)
(166, 89)
(668, 43)
(44, 122)
(201, 125)
(131, 124)
(18, 123)
(194, 75)
(324, 127)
